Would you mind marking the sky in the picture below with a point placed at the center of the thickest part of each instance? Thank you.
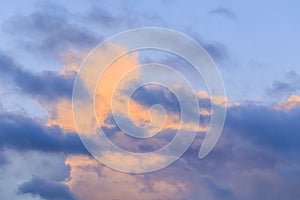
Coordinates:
(255, 46)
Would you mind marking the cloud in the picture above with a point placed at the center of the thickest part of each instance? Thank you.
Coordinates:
(61, 115)
(3, 159)
(101, 181)
(46, 189)
(284, 88)
(254, 159)
(291, 103)
(257, 150)
(277, 130)
(225, 12)
(109, 82)
(47, 85)
(153, 94)
(23, 133)
(216, 50)
(280, 88)
(23, 166)
(122, 19)
(53, 31)
(61, 110)
(103, 18)
(256, 134)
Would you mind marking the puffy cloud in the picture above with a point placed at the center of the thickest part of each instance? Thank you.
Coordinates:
(105, 183)
(254, 159)
(61, 115)
(21, 167)
(292, 102)
(108, 82)
(61, 110)
(257, 153)
(71, 62)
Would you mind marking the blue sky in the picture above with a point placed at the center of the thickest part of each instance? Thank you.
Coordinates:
(255, 45)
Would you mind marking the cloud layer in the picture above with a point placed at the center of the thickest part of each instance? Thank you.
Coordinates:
(257, 156)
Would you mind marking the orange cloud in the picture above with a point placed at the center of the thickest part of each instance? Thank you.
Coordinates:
(71, 62)
(292, 102)
(61, 115)
(61, 111)
(218, 100)
(108, 84)
(91, 180)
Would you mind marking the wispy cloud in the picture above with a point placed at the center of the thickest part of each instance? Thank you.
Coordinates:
(49, 33)
(225, 12)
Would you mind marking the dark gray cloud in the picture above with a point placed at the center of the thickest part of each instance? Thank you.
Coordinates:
(152, 94)
(257, 150)
(50, 32)
(47, 84)
(284, 88)
(216, 50)
(225, 12)
(23, 133)
(149, 96)
(46, 189)
(269, 128)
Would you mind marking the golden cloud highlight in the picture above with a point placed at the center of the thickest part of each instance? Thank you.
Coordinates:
(292, 102)
(101, 182)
